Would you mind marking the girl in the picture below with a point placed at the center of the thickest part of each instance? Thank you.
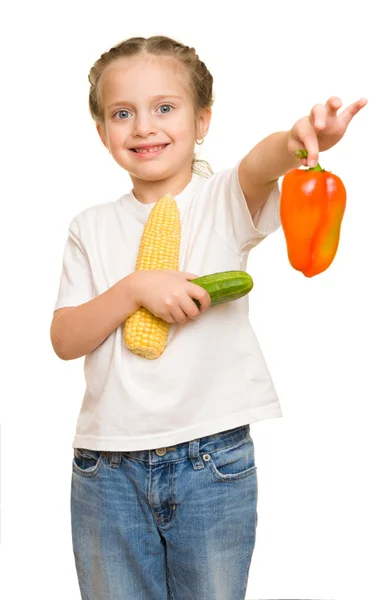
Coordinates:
(164, 486)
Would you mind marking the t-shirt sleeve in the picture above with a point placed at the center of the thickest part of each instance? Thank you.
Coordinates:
(233, 220)
(76, 285)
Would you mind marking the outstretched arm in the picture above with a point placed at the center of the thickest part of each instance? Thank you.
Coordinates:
(274, 155)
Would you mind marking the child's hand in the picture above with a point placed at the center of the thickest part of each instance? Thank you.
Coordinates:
(168, 294)
(322, 129)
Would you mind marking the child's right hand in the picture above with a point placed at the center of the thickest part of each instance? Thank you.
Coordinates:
(169, 294)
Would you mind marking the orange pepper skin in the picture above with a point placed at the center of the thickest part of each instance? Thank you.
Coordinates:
(312, 206)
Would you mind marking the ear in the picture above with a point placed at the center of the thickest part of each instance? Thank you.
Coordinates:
(102, 134)
(203, 122)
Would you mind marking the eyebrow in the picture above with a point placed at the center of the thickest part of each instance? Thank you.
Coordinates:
(154, 98)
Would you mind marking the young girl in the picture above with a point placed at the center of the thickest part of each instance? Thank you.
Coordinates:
(164, 486)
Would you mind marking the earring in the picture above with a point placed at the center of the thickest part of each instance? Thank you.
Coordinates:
(200, 142)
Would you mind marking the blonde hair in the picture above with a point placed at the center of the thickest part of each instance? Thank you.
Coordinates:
(201, 80)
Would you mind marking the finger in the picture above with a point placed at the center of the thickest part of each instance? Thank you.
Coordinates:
(349, 112)
(178, 314)
(188, 275)
(166, 317)
(318, 116)
(310, 142)
(189, 308)
(200, 294)
(333, 104)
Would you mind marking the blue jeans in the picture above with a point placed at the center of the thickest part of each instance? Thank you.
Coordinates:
(174, 523)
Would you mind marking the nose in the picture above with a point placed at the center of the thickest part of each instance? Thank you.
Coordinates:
(144, 124)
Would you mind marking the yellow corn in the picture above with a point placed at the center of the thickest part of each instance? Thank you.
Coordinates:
(144, 333)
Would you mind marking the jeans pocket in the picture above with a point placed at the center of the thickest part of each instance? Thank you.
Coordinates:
(232, 464)
(86, 462)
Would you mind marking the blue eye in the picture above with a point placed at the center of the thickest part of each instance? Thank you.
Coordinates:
(165, 106)
(119, 112)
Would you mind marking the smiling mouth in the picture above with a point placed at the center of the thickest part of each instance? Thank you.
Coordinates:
(149, 150)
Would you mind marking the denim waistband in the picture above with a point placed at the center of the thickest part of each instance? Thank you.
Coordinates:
(192, 448)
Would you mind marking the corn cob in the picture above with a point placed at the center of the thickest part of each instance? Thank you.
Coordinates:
(144, 333)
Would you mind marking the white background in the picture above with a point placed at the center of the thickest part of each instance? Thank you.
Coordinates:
(320, 468)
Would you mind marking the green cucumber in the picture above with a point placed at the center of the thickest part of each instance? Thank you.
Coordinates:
(225, 286)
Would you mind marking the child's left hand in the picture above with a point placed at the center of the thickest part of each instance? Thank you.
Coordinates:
(322, 129)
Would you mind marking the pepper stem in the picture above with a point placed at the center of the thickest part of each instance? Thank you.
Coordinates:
(301, 153)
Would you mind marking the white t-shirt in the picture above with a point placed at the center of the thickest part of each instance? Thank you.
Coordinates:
(212, 375)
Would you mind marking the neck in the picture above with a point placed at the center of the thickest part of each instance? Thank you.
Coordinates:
(149, 192)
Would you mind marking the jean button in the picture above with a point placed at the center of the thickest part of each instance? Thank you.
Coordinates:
(206, 457)
(160, 451)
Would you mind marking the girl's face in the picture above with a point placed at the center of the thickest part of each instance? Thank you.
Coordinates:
(149, 124)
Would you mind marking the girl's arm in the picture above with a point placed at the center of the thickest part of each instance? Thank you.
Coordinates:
(262, 166)
(274, 156)
(77, 330)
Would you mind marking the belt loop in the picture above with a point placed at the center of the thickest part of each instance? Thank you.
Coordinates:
(115, 458)
(193, 452)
